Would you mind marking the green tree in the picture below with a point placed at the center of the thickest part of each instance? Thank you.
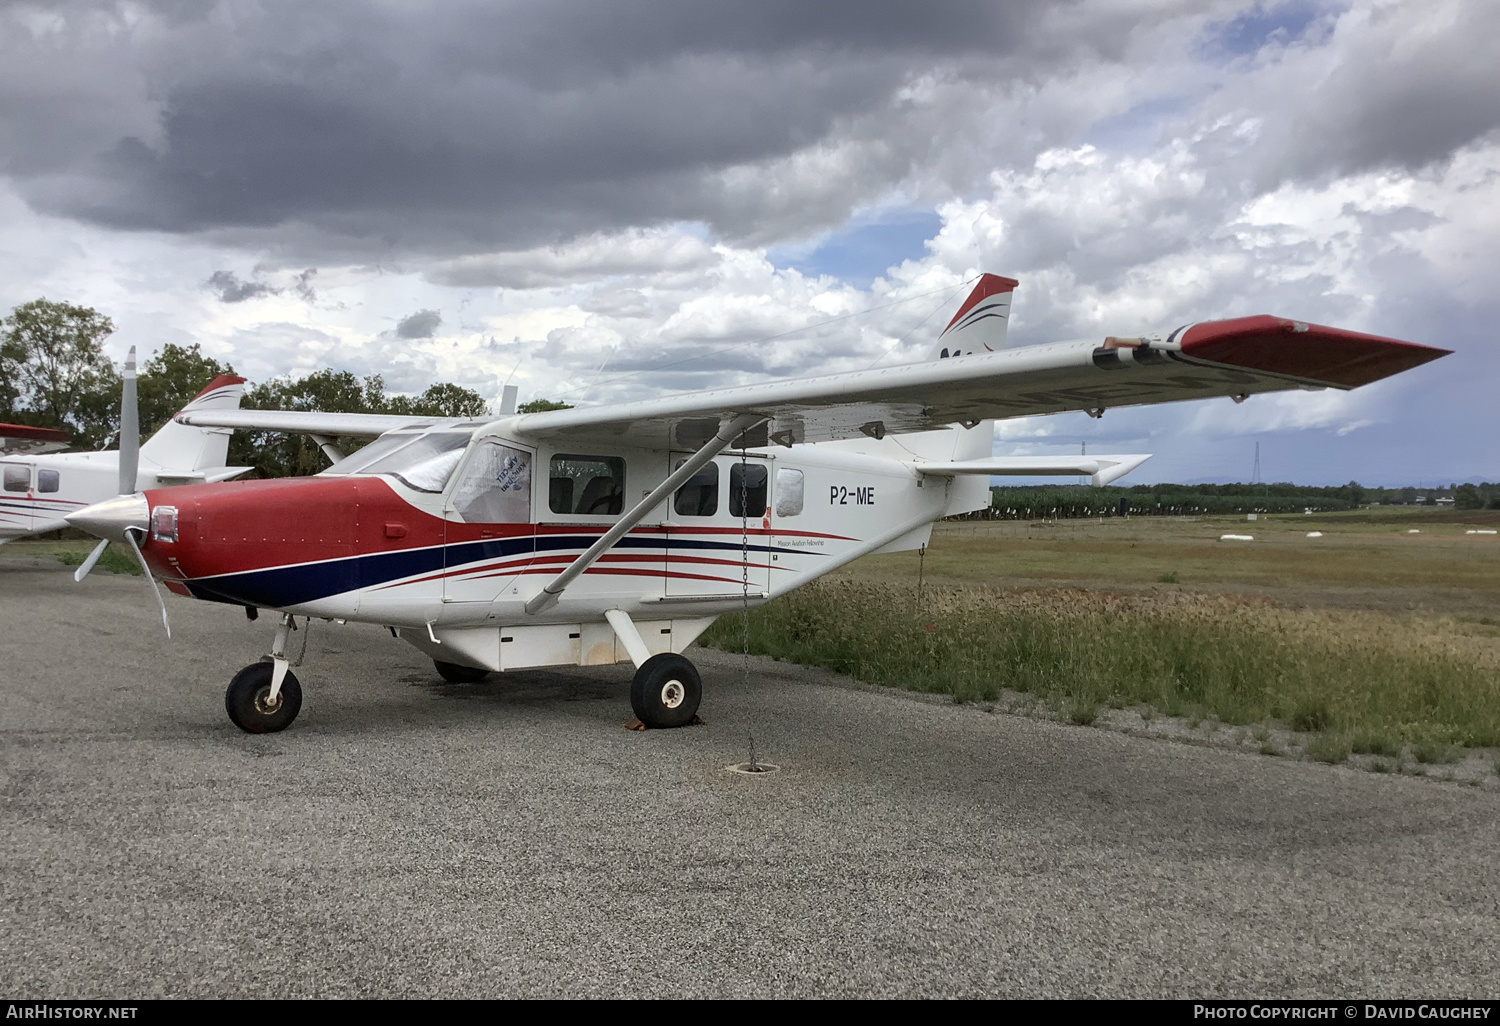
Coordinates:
(274, 454)
(170, 380)
(542, 406)
(1466, 496)
(53, 370)
(441, 400)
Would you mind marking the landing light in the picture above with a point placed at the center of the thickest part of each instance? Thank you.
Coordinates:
(164, 524)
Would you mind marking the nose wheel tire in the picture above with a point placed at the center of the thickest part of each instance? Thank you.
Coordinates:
(456, 674)
(248, 700)
(666, 691)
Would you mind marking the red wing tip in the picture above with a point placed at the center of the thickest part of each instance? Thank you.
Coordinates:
(1300, 349)
(222, 381)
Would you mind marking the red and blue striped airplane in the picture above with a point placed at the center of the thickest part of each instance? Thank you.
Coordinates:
(589, 536)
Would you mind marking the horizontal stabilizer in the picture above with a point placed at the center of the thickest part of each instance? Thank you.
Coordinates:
(208, 475)
(1101, 469)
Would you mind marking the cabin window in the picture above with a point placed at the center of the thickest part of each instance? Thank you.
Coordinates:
(17, 479)
(747, 489)
(788, 492)
(589, 486)
(700, 496)
(495, 486)
(46, 480)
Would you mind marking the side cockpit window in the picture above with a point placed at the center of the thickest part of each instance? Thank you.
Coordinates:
(495, 486)
(47, 480)
(588, 486)
(17, 479)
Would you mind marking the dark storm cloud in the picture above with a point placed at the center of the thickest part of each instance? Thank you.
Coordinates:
(422, 324)
(447, 128)
(231, 289)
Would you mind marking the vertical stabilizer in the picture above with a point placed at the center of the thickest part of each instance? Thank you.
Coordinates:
(979, 326)
(177, 447)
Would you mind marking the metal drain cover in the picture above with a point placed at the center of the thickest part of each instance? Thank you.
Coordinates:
(759, 769)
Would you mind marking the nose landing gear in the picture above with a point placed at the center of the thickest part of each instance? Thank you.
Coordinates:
(252, 706)
(266, 696)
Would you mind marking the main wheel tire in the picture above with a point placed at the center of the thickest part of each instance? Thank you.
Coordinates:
(247, 705)
(666, 691)
(453, 673)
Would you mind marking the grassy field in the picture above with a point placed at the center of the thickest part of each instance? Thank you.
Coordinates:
(1371, 638)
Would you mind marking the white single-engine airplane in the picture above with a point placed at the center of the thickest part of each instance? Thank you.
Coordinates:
(588, 536)
(42, 486)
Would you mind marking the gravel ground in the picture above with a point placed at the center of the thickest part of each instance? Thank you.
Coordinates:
(412, 838)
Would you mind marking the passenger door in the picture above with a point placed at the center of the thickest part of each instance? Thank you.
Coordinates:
(712, 550)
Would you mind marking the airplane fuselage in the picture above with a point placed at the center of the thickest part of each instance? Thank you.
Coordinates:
(452, 569)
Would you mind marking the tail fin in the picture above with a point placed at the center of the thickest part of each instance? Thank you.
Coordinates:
(177, 447)
(979, 326)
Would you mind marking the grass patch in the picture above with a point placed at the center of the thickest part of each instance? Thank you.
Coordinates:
(1083, 713)
(116, 559)
(1381, 743)
(1360, 676)
(1329, 748)
(1436, 752)
(1168, 578)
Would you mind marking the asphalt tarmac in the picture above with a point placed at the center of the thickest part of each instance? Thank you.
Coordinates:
(410, 838)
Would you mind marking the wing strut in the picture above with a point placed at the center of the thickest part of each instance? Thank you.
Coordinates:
(729, 430)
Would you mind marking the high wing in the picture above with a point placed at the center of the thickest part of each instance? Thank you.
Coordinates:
(1240, 357)
(23, 438)
(360, 425)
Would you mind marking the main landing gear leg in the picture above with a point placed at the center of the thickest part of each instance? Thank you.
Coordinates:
(266, 696)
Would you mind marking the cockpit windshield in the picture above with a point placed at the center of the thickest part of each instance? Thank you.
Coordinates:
(420, 461)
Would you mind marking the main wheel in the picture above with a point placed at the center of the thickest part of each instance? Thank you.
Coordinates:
(248, 700)
(453, 673)
(666, 691)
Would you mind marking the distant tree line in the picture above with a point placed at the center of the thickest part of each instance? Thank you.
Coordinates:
(1032, 502)
(53, 373)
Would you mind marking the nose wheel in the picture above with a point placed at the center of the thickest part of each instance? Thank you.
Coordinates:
(666, 691)
(254, 707)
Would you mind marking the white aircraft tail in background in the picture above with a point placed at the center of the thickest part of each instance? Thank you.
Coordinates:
(980, 324)
(38, 490)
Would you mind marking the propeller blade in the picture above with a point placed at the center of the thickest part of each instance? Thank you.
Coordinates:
(130, 537)
(88, 564)
(130, 428)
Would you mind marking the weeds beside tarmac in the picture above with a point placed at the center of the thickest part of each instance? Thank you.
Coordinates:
(1391, 693)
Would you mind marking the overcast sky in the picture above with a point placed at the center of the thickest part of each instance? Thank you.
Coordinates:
(600, 201)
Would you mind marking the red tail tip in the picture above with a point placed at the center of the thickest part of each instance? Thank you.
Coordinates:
(987, 286)
(222, 381)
